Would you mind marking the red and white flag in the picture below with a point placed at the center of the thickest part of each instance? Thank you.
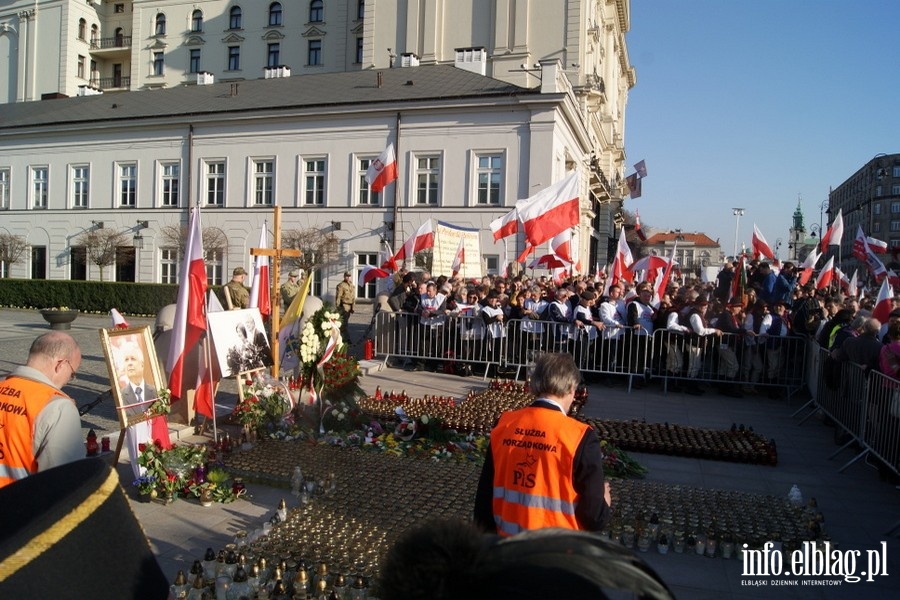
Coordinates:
(809, 263)
(760, 245)
(561, 245)
(637, 226)
(422, 239)
(369, 273)
(826, 275)
(877, 246)
(550, 211)
(884, 304)
(460, 258)
(118, 320)
(863, 252)
(834, 233)
(853, 286)
(622, 260)
(190, 316)
(505, 226)
(382, 170)
(259, 291)
(663, 282)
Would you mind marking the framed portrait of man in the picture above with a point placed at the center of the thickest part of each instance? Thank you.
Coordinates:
(134, 373)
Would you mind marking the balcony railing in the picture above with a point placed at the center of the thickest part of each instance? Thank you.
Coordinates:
(110, 83)
(119, 41)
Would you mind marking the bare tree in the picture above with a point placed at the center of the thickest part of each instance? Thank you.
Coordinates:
(214, 239)
(320, 249)
(100, 246)
(12, 251)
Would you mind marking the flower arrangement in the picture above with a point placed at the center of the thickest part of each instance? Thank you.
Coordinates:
(173, 473)
(59, 308)
(162, 405)
(265, 401)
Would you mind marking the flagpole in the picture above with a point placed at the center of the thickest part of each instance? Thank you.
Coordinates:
(206, 343)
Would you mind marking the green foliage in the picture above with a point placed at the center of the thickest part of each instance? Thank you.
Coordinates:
(87, 296)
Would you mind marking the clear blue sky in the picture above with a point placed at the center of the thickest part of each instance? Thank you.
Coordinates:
(748, 104)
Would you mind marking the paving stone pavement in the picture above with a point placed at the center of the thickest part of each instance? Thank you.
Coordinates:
(858, 507)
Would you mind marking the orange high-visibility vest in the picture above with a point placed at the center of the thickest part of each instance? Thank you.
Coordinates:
(533, 450)
(21, 401)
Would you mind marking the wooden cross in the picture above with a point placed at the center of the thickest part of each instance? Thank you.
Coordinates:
(274, 297)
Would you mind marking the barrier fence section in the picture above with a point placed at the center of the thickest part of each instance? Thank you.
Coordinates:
(469, 345)
(863, 404)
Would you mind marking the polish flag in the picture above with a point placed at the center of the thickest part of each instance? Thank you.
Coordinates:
(382, 170)
(760, 245)
(877, 246)
(190, 317)
(550, 211)
(853, 286)
(834, 233)
(460, 257)
(561, 244)
(422, 239)
(370, 273)
(864, 252)
(884, 304)
(622, 260)
(118, 320)
(505, 226)
(637, 226)
(860, 245)
(259, 291)
(663, 281)
(825, 275)
(807, 267)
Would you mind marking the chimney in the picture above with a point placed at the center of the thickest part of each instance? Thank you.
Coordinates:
(409, 59)
(379, 79)
(205, 78)
(234, 89)
(471, 59)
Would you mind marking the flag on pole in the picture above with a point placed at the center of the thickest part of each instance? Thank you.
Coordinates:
(634, 185)
(622, 260)
(863, 252)
(760, 245)
(877, 246)
(809, 263)
(834, 233)
(505, 226)
(422, 239)
(260, 296)
(739, 282)
(884, 304)
(826, 275)
(550, 211)
(663, 281)
(459, 258)
(637, 227)
(641, 168)
(382, 170)
(190, 316)
(289, 334)
(369, 273)
(561, 245)
(118, 320)
(854, 285)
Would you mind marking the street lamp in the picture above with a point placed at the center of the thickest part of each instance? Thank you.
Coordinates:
(738, 213)
(823, 208)
(777, 247)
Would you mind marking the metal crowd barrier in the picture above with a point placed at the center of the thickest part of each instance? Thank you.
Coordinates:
(514, 345)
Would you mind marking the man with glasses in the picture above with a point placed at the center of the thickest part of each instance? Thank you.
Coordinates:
(39, 424)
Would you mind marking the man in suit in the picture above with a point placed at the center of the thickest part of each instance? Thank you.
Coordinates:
(136, 395)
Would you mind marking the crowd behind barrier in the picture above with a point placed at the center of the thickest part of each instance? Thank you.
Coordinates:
(863, 404)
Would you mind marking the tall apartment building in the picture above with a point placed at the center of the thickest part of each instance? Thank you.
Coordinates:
(158, 94)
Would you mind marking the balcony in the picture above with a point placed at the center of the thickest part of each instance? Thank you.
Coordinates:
(111, 46)
(112, 83)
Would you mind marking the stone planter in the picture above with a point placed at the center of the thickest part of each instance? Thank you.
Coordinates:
(59, 319)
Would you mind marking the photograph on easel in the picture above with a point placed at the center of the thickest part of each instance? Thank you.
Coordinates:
(136, 380)
(240, 341)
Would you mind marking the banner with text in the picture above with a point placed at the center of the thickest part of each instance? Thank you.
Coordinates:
(446, 242)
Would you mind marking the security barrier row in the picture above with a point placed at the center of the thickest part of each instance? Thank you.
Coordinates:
(465, 344)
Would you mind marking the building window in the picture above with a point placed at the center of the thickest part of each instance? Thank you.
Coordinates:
(895, 225)
(215, 183)
(39, 194)
(81, 186)
(876, 208)
(4, 189)
(314, 56)
(234, 17)
(128, 184)
(274, 55)
(315, 182)
(170, 173)
(359, 50)
(895, 208)
(194, 66)
(428, 172)
(213, 260)
(168, 265)
(878, 191)
(197, 21)
(366, 195)
(82, 29)
(234, 58)
(896, 171)
(316, 11)
(275, 14)
(158, 63)
(876, 227)
(95, 34)
(491, 263)
(895, 190)
(81, 60)
(78, 263)
(368, 290)
(360, 9)
(263, 182)
(119, 8)
(95, 75)
(160, 24)
(490, 176)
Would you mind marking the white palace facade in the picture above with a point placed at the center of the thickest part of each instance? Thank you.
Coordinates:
(125, 114)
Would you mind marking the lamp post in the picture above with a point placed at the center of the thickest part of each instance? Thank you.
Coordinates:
(777, 247)
(738, 213)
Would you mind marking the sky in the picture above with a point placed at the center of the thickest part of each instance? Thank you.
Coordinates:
(754, 105)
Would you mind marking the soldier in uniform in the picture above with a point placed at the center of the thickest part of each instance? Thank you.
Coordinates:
(290, 288)
(345, 298)
(240, 295)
